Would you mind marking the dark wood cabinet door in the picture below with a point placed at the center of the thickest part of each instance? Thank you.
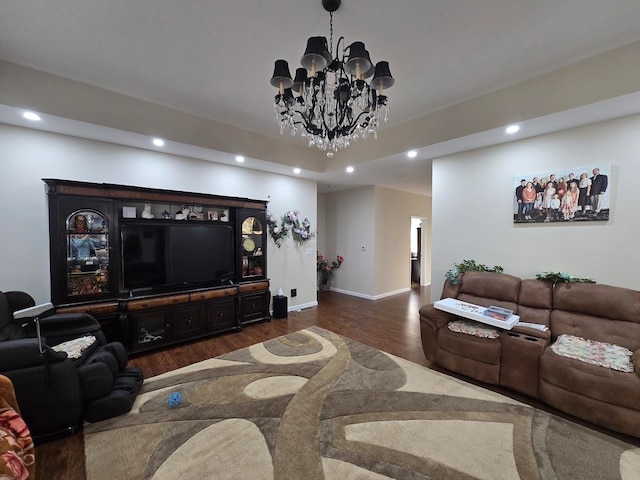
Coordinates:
(189, 321)
(150, 329)
(254, 307)
(251, 226)
(81, 249)
(221, 315)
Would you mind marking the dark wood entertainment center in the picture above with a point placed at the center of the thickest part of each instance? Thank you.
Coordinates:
(94, 271)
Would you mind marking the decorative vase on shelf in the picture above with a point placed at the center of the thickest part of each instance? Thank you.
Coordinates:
(324, 287)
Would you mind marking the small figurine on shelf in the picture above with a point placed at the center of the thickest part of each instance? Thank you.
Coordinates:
(183, 214)
(166, 215)
(80, 223)
(195, 213)
(146, 211)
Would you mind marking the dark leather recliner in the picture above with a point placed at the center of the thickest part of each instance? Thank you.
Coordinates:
(56, 392)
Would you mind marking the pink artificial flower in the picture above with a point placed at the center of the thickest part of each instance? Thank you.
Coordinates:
(340, 258)
(16, 465)
(13, 421)
(320, 258)
(328, 268)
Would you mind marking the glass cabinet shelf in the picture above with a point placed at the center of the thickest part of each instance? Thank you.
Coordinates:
(252, 238)
(87, 242)
(173, 211)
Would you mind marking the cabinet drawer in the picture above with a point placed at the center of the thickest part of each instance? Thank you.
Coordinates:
(94, 309)
(211, 294)
(253, 287)
(254, 307)
(189, 321)
(143, 304)
(221, 315)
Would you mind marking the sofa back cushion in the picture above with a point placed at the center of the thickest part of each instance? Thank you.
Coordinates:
(490, 288)
(535, 302)
(597, 312)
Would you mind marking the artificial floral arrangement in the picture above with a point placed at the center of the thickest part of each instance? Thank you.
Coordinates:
(562, 277)
(290, 222)
(455, 274)
(325, 269)
(276, 232)
(300, 230)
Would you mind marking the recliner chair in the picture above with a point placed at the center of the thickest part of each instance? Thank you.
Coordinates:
(56, 392)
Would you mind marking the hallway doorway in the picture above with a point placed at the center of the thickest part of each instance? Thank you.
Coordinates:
(418, 241)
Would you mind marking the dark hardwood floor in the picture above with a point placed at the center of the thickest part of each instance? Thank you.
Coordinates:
(391, 324)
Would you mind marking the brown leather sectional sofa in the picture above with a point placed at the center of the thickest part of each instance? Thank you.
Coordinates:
(521, 358)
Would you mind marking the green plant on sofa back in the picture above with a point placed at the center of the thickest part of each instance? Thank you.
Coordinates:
(455, 274)
(562, 277)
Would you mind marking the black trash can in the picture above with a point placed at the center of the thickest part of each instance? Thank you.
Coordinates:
(279, 306)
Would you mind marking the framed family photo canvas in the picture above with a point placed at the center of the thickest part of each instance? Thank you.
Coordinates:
(581, 194)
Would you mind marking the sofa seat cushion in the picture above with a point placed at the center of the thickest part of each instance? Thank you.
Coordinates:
(469, 327)
(592, 381)
(484, 350)
(596, 353)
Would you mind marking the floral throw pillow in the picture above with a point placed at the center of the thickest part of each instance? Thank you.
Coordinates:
(17, 458)
(602, 354)
(470, 327)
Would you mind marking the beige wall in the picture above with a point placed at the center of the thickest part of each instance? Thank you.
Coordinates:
(349, 225)
(378, 219)
(393, 212)
(473, 207)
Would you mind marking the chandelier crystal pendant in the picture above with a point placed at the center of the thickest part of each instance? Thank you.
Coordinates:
(329, 100)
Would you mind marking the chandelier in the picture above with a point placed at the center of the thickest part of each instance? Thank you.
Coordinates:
(329, 100)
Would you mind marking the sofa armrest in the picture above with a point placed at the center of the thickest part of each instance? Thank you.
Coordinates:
(66, 325)
(25, 353)
(438, 317)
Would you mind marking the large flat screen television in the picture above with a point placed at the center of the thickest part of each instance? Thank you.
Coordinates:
(157, 256)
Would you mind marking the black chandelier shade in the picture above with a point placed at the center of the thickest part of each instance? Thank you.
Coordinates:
(329, 98)
(357, 63)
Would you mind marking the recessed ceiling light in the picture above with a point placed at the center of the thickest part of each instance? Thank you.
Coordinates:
(239, 159)
(158, 142)
(296, 170)
(412, 154)
(512, 129)
(350, 169)
(34, 117)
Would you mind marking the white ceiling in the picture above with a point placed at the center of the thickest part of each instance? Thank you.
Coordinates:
(214, 59)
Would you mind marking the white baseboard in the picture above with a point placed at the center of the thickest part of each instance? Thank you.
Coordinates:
(302, 306)
(371, 297)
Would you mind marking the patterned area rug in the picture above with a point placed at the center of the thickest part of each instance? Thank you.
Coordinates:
(315, 405)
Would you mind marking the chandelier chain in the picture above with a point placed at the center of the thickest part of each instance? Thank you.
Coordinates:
(331, 32)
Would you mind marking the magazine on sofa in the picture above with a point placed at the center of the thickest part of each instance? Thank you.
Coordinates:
(497, 313)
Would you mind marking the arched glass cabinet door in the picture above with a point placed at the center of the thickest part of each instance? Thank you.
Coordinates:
(87, 238)
(253, 256)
